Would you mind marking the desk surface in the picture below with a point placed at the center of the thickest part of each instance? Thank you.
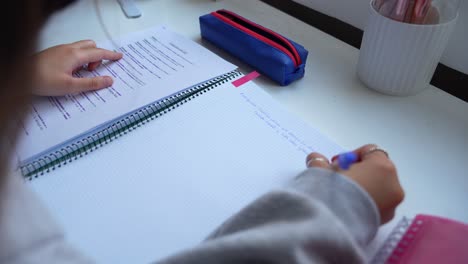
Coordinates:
(426, 135)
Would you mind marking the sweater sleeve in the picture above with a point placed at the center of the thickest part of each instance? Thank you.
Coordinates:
(28, 233)
(320, 217)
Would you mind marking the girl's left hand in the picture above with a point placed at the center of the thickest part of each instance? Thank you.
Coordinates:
(55, 67)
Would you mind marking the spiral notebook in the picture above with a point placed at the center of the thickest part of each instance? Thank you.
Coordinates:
(159, 71)
(177, 167)
(425, 239)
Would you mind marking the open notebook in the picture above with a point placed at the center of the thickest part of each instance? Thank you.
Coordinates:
(159, 69)
(180, 173)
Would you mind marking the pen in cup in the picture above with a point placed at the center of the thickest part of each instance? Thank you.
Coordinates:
(409, 11)
(386, 7)
(420, 11)
(401, 9)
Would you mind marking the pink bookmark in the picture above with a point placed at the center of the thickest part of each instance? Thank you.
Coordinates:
(245, 79)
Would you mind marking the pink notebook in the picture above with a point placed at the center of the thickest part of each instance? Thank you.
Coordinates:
(426, 239)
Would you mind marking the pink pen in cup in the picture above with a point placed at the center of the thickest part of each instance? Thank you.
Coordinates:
(421, 8)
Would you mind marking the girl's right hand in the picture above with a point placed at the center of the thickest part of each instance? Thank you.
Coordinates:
(375, 173)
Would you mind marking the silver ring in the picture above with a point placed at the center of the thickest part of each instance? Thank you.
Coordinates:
(374, 149)
(317, 159)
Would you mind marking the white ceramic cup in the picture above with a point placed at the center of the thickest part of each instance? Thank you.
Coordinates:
(399, 58)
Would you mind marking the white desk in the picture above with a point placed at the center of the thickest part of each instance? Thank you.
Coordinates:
(426, 135)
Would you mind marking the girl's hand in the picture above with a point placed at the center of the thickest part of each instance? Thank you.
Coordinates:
(56, 65)
(375, 173)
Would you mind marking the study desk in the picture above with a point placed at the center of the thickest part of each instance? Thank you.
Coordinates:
(426, 135)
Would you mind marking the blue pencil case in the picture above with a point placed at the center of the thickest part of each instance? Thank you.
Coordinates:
(268, 52)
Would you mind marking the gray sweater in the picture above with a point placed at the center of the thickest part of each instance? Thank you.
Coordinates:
(320, 217)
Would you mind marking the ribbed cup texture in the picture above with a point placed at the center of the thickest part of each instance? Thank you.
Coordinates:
(399, 58)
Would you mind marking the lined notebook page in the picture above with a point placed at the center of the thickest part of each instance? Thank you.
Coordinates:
(166, 185)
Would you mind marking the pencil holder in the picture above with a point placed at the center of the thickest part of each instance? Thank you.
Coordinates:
(399, 58)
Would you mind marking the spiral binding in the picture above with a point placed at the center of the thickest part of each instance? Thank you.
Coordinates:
(89, 143)
(392, 242)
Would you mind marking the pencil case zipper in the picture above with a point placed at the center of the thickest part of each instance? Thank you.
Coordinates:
(261, 33)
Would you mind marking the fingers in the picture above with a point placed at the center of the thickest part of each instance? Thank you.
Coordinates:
(77, 85)
(317, 160)
(371, 151)
(86, 52)
(386, 216)
(85, 56)
(93, 65)
(83, 44)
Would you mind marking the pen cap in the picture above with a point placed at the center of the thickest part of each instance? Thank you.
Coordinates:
(399, 58)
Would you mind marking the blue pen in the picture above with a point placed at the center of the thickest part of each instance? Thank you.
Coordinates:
(344, 160)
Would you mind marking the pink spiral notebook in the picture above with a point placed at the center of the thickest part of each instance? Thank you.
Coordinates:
(425, 239)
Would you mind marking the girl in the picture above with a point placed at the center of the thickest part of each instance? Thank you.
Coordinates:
(324, 215)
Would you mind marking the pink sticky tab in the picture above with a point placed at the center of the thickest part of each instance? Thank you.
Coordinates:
(246, 78)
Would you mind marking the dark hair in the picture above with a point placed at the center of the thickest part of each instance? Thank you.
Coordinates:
(50, 6)
(23, 20)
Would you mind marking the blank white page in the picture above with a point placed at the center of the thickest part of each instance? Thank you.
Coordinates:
(166, 185)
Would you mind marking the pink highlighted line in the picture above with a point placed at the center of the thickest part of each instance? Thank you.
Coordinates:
(246, 78)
